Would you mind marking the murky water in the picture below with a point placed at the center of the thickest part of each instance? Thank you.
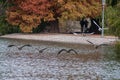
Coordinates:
(30, 64)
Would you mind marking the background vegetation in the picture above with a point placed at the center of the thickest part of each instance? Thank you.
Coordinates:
(112, 17)
(27, 14)
(112, 21)
(5, 27)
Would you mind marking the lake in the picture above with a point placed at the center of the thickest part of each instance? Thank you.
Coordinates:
(30, 64)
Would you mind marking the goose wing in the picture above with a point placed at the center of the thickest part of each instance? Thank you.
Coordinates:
(90, 42)
(62, 50)
(10, 45)
(40, 51)
(72, 50)
(20, 48)
(101, 45)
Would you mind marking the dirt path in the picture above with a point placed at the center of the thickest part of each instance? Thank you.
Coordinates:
(64, 38)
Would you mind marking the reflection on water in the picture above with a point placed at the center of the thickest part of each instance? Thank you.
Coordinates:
(30, 64)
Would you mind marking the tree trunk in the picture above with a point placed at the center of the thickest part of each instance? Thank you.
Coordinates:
(53, 26)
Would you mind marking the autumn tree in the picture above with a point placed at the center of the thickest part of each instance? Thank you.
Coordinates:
(76, 9)
(70, 10)
(28, 13)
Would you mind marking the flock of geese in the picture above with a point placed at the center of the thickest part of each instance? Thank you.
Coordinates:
(26, 45)
(61, 51)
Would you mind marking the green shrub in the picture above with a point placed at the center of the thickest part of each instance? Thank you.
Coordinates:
(6, 28)
(112, 17)
(117, 49)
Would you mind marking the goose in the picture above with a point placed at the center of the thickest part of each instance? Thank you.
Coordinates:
(67, 51)
(21, 47)
(41, 50)
(96, 46)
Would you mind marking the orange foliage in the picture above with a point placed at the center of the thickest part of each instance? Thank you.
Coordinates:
(76, 9)
(25, 21)
(28, 13)
(39, 7)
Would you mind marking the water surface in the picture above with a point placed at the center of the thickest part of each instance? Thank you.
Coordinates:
(29, 64)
